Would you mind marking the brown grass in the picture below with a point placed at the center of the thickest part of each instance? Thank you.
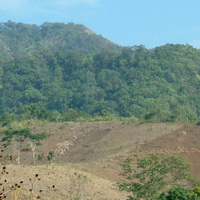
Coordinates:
(87, 156)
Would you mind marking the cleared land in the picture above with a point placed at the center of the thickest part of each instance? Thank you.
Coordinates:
(87, 156)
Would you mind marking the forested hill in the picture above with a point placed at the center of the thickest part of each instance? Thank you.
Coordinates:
(17, 39)
(163, 82)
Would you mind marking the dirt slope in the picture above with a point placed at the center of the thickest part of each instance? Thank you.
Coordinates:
(184, 141)
(60, 183)
(84, 142)
(87, 155)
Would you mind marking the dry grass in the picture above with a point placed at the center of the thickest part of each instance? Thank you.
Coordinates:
(87, 156)
(58, 182)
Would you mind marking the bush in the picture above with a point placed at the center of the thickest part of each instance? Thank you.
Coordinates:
(196, 191)
(178, 192)
(50, 156)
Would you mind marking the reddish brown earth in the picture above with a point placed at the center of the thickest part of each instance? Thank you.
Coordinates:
(184, 141)
(87, 155)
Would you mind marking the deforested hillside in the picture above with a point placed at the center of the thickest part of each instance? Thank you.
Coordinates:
(83, 159)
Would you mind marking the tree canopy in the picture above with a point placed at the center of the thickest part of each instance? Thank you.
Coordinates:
(65, 66)
(155, 177)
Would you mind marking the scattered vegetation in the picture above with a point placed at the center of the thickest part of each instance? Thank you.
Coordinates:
(77, 186)
(12, 190)
(13, 136)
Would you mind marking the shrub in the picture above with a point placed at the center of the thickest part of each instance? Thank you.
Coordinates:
(178, 192)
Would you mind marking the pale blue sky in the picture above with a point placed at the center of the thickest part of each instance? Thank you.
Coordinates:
(126, 22)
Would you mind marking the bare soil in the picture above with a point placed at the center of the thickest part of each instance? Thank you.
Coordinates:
(87, 156)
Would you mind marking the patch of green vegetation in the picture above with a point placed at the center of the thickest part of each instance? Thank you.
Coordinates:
(83, 77)
(153, 175)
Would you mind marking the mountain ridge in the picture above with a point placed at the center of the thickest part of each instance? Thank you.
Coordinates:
(85, 75)
(17, 39)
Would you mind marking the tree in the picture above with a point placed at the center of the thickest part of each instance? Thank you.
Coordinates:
(16, 136)
(19, 136)
(152, 174)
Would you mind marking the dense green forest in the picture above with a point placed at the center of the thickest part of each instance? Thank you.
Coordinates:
(18, 39)
(62, 67)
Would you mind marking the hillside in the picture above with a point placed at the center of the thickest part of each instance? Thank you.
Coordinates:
(87, 155)
(160, 84)
(78, 104)
(18, 39)
(68, 68)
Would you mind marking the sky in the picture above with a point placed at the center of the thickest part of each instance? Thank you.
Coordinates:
(150, 23)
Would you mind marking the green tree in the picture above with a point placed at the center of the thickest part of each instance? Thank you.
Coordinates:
(20, 135)
(152, 174)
